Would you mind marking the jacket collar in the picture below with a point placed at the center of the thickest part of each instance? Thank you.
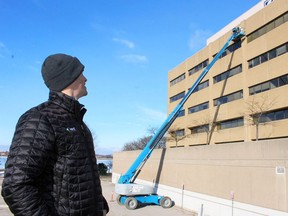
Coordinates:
(67, 103)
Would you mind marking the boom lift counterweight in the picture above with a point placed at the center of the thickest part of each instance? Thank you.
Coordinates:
(130, 193)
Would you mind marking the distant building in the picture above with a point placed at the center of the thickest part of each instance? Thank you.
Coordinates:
(244, 95)
(4, 153)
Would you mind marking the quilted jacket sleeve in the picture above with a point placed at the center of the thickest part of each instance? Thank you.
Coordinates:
(31, 147)
(106, 206)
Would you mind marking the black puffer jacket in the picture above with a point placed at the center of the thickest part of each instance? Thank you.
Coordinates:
(51, 167)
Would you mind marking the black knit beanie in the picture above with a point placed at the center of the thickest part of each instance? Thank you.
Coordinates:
(60, 70)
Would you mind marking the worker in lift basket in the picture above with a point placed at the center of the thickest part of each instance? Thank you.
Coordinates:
(51, 169)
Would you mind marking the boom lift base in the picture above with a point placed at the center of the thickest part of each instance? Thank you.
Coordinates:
(132, 202)
(133, 189)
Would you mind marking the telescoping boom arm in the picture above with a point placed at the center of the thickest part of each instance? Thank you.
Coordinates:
(134, 170)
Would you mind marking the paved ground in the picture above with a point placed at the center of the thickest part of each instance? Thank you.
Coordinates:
(115, 209)
(4, 210)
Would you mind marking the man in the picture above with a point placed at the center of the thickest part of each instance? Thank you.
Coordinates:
(51, 169)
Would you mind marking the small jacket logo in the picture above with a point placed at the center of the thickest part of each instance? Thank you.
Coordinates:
(72, 129)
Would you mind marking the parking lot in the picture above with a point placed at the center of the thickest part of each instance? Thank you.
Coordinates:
(115, 209)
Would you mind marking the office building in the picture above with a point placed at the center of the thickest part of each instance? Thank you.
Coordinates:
(243, 97)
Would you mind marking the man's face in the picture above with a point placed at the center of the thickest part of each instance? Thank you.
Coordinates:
(78, 86)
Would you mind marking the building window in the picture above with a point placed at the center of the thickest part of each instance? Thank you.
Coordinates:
(179, 133)
(274, 83)
(199, 129)
(230, 49)
(228, 98)
(268, 55)
(227, 74)
(177, 97)
(198, 67)
(181, 113)
(178, 79)
(268, 27)
(238, 122)
(274, 116)
(201, 86)
(198, 108)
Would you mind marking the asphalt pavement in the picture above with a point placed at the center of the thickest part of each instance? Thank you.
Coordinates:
(115, 208)
(4, 210)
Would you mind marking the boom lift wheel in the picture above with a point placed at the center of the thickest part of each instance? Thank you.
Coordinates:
(131, 203)
(166, 202)
(118, 199)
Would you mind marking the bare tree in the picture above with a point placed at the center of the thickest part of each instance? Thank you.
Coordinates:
(205, 125)
(176, 134)
(162, 142)
(256, 108)
(140, 143)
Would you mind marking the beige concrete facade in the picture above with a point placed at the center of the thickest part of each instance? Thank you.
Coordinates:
(271, 100)
(206, 177)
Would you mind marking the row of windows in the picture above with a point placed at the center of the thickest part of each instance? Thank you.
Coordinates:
(182, 94)
(191, 71)
(231, 48)
(218, 101)
(203, 64)
(198, 108)
(274, 116)
(268, 55)
(271, 84)
(177, 97)
(201, 86)
(227, 74)
(237, 122)
(274, 83)
(178, 79)
(231, 123)
(198, 67)
(199, 129)
(251, 63)
(268, 27)
(228, 98)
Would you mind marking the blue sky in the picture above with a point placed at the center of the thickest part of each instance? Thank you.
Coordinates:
(127, 47)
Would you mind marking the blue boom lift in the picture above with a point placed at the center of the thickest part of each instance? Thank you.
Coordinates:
(131, 194)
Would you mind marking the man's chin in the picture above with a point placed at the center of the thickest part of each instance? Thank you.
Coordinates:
(83, 94)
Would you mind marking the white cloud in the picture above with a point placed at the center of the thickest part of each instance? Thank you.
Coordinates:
(127, 43)
(153, 115)
(134, 58)
(198, 39)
